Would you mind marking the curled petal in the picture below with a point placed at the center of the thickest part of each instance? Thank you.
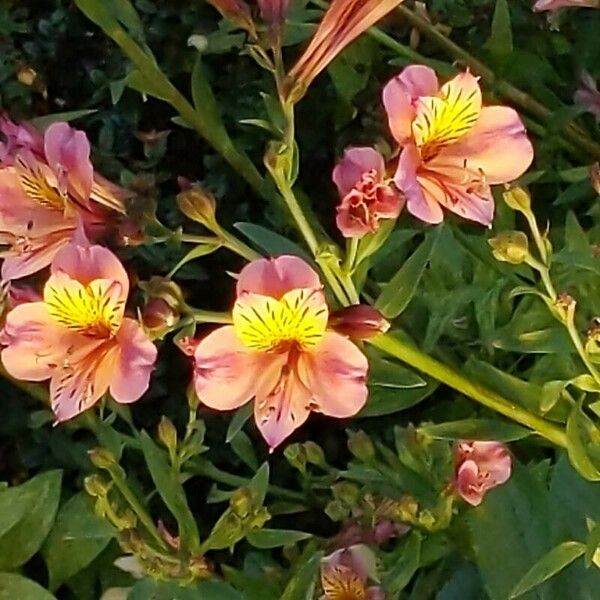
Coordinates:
(134, 364)
(354, 164)
(335, 372)
(276, 276)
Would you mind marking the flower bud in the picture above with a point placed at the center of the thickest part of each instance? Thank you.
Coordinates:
(595, 177)
(518, 199)
(315, 455)
(242, 502)
(273, 12)
(347, 493)
(592, 344)
(167, 434)
(360, 322)
(198, 205)
(102, 458)
(360, 445)
(158, 314)
(511, 247)
(96, 486)
(236, 11)
(564, 307)
(129, 233)
(296, 456)
(336, 511)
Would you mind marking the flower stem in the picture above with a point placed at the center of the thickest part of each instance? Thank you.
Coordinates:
(426, 364)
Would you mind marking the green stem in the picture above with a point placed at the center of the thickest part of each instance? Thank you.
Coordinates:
(426, 364)
(503, 87)
(199, 239)
(210, 316)
(236, 245)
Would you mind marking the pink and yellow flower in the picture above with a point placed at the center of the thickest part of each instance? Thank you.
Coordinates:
(47, 183)
(367, 195)
(279, 352)
(480, 466)
(452, 148)
(77, 336)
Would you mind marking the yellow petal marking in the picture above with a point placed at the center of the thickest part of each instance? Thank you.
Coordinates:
(95, 309)
(342, 583)
(264, 323)
(443, 119)
(36, 185)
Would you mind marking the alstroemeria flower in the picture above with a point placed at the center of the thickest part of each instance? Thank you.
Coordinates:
(453, 149)
(47, 183)
(588, 95)
(279, 352)
(343, 22)
(542, 5)
(77, 336)
(367, 195)
(345, 575)
(480, 466)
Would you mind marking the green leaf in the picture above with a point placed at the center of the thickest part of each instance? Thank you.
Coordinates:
(302, 584)
(591, 545)
(549, 565)
(239, 419)
(260, 483)
(44, 122)
(272, 243)
(406, 564)
(274, 538)
(388, 400)
(148, 589)
(205, 102)
(387, 373)
(39, 499)
(500, 42)
(78, 536)
(243, 447)
(476, 429)
(197, 252)
(577, 423)
(17, 587)
(146, 86)
(398, 292)
(168, 484)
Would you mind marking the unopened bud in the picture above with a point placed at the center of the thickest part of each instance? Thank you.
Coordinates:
(273, 12)
(347, 493)
(296, 456)
(198, 205)
(242, 502)
(518, 199)
(592, 343)
(564, 307)
(102, 458)
(129, 233)
(336, 511)
(360, 445)
(314, 454)
(511, 247)
(167, 434)
(360, 321)
(167, 290)
(595, 177)
(236, 11)
(158, 314)
(96, 486)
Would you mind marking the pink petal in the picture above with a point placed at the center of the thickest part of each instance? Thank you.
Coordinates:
(35, 343)
(227, 374)
(135, 363)
(86, 263)
(276, 276)
(498, 146)
(282, 410)
(400, 94)
(467, 483)
(68, 153)
(418, 204)
(355, 162)
(335, 373)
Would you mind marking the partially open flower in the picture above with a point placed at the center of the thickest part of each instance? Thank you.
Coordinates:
(510, 246)
(452, 148)
(360, 322)
(279, 352)
(77, 336)
(367, 195)
(479, 467)
(343, 22)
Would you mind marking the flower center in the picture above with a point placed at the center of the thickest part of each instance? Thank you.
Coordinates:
(341, 583)
(95, 309)
(38, 185)
(298, 319)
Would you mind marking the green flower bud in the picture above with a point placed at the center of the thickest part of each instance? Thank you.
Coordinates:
(360, 445)
(336, 511)
(167, 434)
(347, 493)
(199, 205)
(96, 486)
(102, 458)
(296, 456)
(315, 455)
(511, 247)
(518, 199)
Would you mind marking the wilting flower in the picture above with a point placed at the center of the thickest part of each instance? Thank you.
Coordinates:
(279, 352)
(46, 184)
(343, 22)
(360, 322)
(542, 5)
(367, 195)
(77, 336)
(453, 149)
(345, 575)
(480, 466)
(588, 95)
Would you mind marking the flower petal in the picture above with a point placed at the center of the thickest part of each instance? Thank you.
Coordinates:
(227, 374)
(135, 363)
(418, 204)
(355, 162)
(335, 372)
(276, 276)
(498, 146)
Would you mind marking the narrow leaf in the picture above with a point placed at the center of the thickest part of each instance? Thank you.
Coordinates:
(274, 538)
(476, 429)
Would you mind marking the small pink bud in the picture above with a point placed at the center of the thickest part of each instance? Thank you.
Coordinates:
(480, 466)
(360, 321)
(273, 12)
(159, 314)
(236, 11)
